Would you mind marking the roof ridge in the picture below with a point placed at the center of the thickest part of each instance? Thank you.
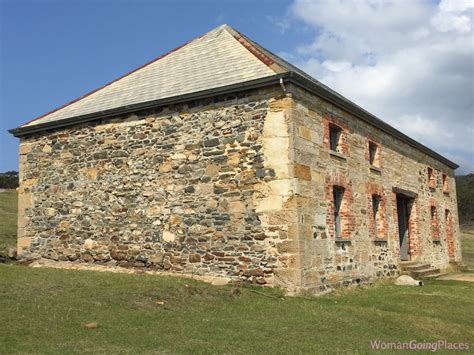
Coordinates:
(257, 50)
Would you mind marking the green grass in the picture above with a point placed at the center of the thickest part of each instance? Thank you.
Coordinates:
(467, 245)
(8, 219)
(44, 310)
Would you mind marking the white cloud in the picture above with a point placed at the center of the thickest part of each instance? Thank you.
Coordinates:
(451, 16)
(409, 62)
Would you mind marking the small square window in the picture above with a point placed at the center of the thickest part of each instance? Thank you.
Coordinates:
(335, 133)
(373, 150)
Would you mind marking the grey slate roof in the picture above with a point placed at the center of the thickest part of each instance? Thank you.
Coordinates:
(221, 61)
(210, 61)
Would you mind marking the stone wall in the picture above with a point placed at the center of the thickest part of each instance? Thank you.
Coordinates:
(360, 255)
(200, 188)
(237, 186)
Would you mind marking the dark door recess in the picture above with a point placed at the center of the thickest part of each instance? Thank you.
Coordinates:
(403, 212)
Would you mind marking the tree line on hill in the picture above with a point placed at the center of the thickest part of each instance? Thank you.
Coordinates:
(9, 180)
(464, 187)
(465, 193)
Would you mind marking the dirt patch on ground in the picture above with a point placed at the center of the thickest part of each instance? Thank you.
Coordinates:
(215, 280)
(469, 277)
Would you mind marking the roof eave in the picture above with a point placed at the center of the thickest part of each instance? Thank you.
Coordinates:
(291, 77)
(228, 89)
(366, 116)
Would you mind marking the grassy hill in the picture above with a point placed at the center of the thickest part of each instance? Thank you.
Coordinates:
(465, 193)
(8, 219)
(47, 309)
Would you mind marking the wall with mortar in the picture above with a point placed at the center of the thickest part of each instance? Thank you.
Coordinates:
(199, 188)
(360, 255)
(237, 186)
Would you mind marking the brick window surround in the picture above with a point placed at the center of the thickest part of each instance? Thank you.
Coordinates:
(377, 223)
(449, 225)
(431, 177)
(373, 153)
(445, 182)
(434, 222)
(336, 126)
(346, 216)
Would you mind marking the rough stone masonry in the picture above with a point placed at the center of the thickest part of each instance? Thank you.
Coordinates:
(273, 184)
(237, 188)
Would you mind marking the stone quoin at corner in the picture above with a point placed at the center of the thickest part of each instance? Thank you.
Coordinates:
(219, 158)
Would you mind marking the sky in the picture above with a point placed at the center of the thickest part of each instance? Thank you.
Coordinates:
(409, 62)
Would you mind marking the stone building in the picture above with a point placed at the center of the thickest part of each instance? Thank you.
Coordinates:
(220, 158)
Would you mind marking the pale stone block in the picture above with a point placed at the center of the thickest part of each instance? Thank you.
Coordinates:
(268, 204)
(320, 220)
(63, 225)
(109, 141)
(283, 187)
(212, 169)
(304, 132)
(66, 155)
(25, 200)
(168, 236)
(276, 154)
(22, 220)
(89, 244)
(29, 182)
(281, 104)
(302, 171)
(50, 212)
(316, 177)
(275, 125)
(178, 156)
(23, 244)
(154, 211)
(91, 173)
(165, 167)
(205, 188)
(25, 148)
(237, 206)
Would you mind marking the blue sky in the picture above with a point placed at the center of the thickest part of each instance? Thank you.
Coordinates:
(55, 51)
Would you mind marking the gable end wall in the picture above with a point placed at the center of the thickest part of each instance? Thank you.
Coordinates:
(202, 188)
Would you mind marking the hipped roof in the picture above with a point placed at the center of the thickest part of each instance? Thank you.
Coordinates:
(221, 61)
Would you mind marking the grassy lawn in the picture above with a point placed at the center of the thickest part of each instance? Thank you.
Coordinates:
(467, 244)
(8, 219)
(46, 311)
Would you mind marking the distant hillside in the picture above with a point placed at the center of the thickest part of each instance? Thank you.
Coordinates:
(465, 191)
(9, 180)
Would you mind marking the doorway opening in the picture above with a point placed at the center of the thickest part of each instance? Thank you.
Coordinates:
(404, 206)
